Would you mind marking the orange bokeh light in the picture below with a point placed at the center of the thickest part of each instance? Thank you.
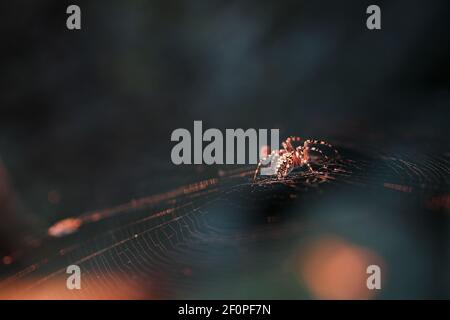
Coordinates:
(331, 268)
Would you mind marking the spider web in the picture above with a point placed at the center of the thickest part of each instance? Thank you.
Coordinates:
(202, 239)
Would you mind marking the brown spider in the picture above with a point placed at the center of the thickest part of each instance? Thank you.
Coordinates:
(288, 158)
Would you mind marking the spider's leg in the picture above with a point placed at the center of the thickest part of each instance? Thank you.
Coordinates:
(294, 138)
(319, 151)
(323, 143)
(298, 157)
(310, 168)
(258, 168)
(263, 160)
(287, 144)
(304, 152)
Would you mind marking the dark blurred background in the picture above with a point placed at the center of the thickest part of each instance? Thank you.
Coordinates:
(86, 116)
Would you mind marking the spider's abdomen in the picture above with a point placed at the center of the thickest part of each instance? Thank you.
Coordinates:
(285, 165)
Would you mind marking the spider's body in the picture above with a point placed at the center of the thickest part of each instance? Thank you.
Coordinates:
(288, 158)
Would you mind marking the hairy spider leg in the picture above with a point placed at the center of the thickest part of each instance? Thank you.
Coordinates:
(303, 158)
(269, 157)
(287, 144)
(307, 148)
(320, 142)
(312, 145)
